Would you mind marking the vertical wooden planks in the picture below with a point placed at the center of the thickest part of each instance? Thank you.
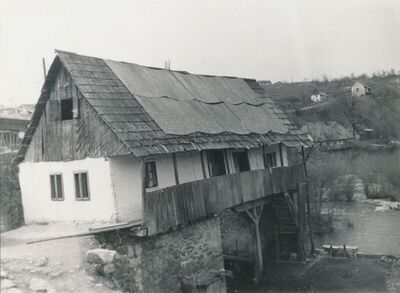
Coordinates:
(180, 204)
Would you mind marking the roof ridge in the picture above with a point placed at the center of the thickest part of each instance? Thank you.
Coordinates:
(152, 67)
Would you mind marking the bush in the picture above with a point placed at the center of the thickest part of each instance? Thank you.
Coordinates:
(11, 206)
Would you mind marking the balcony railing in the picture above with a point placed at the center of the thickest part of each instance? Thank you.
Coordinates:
(180, 204)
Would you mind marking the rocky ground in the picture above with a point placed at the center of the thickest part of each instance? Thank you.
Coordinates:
(52, 267)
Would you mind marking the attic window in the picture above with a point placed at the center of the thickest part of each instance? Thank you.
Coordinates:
(67, 109)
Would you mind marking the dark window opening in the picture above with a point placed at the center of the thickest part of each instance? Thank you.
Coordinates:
(151, 175)
(216, 163)
(56, 186)
(241, 161)
(67, 109)
(81, 186)
(270, 160)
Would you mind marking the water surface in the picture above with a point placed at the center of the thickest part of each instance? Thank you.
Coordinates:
(373, 232)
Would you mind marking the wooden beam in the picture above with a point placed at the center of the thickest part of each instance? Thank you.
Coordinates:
(175, 169)
(263, 154)
(203, 168)
(248, 205)
(308, 201)
(227, 166)
(290, 204)
(301, 221)
(281, 154)
(255, 215)
(143, 181)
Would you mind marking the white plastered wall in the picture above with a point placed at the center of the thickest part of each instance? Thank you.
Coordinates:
(189, 166)
(36, 198)
(127, 185)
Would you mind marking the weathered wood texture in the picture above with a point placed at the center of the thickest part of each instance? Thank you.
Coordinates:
(180, 204)
(301, 214)
(64, 140)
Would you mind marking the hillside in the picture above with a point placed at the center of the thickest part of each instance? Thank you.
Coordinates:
(379, 110)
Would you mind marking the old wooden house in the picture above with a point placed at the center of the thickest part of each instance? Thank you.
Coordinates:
(13, 122)
(119, 142)
(330, 135)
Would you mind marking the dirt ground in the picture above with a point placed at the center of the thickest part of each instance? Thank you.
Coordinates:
(325, 275)
(54, 265)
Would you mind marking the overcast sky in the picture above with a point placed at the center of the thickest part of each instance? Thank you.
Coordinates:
(270, 39)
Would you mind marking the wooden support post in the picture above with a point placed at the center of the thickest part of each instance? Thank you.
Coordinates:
(143, 191)
(265, 162)
(281, 154)
(255, 215)
(203, 167)
(308, 201)
(175, 169)
(301, 220)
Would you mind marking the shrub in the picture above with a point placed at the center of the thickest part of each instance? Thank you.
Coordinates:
(10, 195)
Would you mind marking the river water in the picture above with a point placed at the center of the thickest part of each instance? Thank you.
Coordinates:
(375, 232)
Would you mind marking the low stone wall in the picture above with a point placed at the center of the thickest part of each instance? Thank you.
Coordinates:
(161, 263)
(238, 237)
(237, 234)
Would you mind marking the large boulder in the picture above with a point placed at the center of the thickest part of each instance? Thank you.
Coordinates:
(100, 256)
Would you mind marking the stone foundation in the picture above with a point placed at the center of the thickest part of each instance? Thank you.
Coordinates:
(238, 237)
(163, 263)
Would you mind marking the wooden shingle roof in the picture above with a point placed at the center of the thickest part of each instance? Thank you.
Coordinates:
(156, 111)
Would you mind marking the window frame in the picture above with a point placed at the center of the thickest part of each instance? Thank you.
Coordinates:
(275, 161)
(71, 114)
(81, 198)
(146, 173)
(246, 153)
(57, 198)
(225, 162)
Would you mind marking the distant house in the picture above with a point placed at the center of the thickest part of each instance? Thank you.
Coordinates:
(13, 123)
(318, 96)
(360, 89)
(329, 136)
(264, 83)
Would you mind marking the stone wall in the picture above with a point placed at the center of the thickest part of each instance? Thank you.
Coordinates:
(161, 263)
(237, 233)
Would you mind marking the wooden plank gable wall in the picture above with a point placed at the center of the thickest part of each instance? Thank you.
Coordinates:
(65, 140)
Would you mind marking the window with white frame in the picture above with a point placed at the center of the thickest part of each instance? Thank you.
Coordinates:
(56, 187)
(151, 174)
(81, 186)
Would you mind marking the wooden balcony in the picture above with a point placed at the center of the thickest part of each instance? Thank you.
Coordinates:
(180, 204)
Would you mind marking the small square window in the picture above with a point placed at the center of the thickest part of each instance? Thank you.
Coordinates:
(81, 186)
(56, 187)
(151, 174)
(270, 160)
(67, 109)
